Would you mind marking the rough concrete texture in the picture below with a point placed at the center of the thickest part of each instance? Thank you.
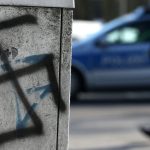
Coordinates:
(30, 60)
(65, 77)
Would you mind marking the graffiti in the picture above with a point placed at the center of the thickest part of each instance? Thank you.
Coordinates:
(21, 20)
(12, 76)
(42, 92)
(13, 52)
(43, 61)
(21, 123)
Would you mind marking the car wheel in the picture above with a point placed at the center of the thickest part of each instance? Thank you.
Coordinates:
(75, 84)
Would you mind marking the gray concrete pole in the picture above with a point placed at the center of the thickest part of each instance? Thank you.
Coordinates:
(35, 72)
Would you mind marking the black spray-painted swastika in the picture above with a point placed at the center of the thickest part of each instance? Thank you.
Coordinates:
(12, 76)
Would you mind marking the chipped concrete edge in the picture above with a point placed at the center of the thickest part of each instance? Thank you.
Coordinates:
(65, 78)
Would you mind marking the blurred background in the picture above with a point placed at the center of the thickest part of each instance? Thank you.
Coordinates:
(110, 92)
(105, 9)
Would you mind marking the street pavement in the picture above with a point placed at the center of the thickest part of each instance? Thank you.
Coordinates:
(108, 126)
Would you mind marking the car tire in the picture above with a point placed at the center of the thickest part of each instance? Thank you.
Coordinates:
(75, 84)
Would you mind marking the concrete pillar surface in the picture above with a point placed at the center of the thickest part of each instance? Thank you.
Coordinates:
(35, 62)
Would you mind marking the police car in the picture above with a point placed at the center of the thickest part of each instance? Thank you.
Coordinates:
(116, 57)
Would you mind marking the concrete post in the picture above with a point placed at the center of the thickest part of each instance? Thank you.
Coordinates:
(35, 62)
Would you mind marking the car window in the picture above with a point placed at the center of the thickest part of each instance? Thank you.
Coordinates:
(134, 33)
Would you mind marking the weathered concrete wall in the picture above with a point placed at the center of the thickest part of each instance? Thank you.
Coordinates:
(34, 77)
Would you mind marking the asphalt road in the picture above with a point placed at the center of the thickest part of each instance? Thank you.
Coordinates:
(96, 125)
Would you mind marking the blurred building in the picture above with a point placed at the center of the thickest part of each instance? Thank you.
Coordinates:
(105, 9)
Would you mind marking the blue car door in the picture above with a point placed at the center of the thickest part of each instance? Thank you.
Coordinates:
(122, 57)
